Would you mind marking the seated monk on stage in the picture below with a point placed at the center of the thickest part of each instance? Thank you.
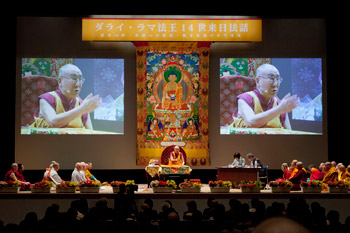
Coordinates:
(300, 176)
(77, 174)
(13, 175)
(51, 173)
(331, 175)
(88, 174)
(315, 174)
(321, 169)
(63, 108)
(286, 171)
(176, 157)
(293, 169)
(347, 175)
(342, 172)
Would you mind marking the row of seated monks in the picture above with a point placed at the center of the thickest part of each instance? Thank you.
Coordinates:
(327, 172)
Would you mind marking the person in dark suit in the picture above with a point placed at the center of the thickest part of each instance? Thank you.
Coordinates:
(254, 162)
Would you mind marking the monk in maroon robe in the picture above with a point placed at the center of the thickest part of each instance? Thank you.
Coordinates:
(315, 174)
(300, 176)
(19, 173)
(12, 174)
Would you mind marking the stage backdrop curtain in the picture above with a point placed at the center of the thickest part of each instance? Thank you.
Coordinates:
(172, 99)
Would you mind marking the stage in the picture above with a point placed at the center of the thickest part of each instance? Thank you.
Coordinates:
(15, 206)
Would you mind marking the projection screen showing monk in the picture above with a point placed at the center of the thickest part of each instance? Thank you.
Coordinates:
(271, 96)
(72, 96)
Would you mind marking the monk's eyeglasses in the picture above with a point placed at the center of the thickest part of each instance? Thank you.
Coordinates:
(76, 79)
(272, 79)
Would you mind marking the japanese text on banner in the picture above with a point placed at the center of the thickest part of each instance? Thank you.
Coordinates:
(171, 29)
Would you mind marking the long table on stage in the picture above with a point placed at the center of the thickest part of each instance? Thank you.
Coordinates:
(143, 193)
(236, 175)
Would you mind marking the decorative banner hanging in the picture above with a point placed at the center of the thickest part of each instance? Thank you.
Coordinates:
(172, 29)
(172, 100)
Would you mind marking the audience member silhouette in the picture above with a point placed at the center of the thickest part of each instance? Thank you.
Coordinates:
(29, 223)
(280, 225)
(192, 213)
(153, 213)
(208, 213)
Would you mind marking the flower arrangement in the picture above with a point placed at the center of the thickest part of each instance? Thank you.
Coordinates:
(90, 183)
(312, 184)
(25, 187)
(67, 184)
(171, 183)
(105, 184)
(130, 183)
(220, 183)
(67, 187)
(161, 183)
(189, 185)
(340, 184)
(44, 184)
(10, 184)
(249, 184)
(116, 183)
(9, 187)
(280, 183)
(89, 186)
(220, 186)
(280, 186)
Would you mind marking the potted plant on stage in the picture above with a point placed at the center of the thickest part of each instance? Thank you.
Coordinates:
(67, 187)
(280, 186)
(312, 186)
(9, 187)
(163, 186)
(42, 186)
(250, 186)
(115, 185)
(220, 186)
(130, 185)
(90, 186)
(338, 186)
(189, 187)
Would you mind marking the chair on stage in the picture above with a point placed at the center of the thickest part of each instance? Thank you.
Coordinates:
(164, 159)
(263, 176)
(32, 87)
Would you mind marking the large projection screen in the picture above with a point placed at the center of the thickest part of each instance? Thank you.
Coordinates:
(46, 79)
(261, 85)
